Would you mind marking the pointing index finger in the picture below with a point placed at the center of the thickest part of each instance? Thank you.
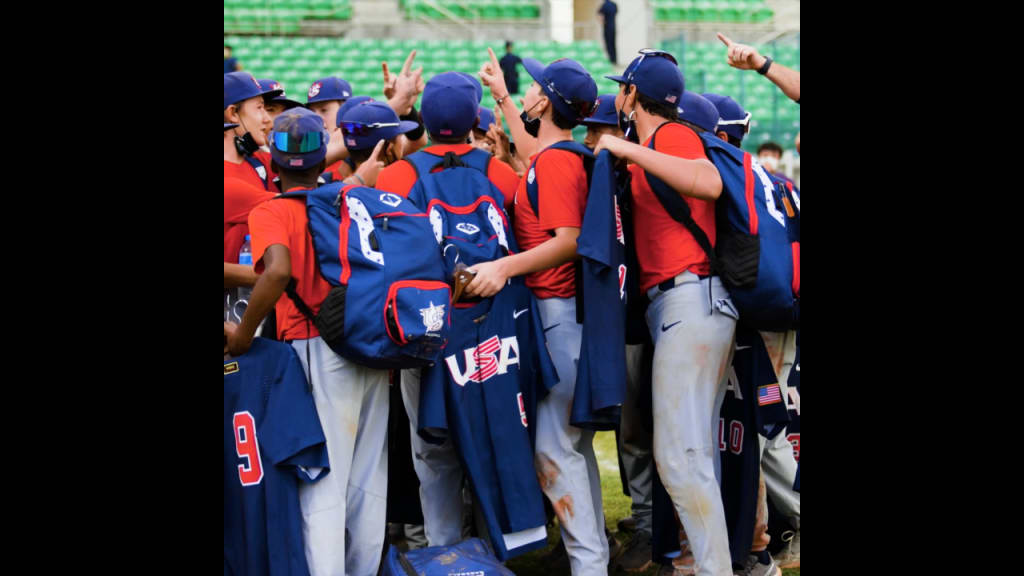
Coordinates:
(384, 65)
(408, 63)
(725, 39)
(494, 59)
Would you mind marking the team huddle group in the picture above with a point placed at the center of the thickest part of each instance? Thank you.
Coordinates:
(310, 435)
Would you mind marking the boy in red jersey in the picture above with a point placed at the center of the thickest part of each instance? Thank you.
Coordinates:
(691, 317)
(561, 97)
(343, 515)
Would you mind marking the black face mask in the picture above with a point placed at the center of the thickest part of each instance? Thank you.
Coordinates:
(246, 145)
(628, 127)
(532, 126)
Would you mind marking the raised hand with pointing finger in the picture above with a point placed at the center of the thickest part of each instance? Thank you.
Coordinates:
(746, 57)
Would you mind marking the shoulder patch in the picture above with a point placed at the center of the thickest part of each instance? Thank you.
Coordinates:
(231, 368)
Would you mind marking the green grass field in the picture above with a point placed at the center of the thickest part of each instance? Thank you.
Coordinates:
(616, 507)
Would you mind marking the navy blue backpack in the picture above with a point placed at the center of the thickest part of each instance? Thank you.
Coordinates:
(756, 254)
(389, 302)
(465, 209)
(467, 558)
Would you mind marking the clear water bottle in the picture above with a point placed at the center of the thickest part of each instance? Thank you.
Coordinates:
(242, 301)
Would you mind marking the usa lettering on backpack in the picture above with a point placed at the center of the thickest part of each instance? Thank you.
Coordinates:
(389, 302)
(756, 256)
(466, 210)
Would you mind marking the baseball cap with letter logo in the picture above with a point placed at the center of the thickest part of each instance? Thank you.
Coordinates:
(655, 75)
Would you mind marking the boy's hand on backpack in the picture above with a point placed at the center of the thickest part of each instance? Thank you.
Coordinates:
(236, 343)
(370, 169)
(490, 279)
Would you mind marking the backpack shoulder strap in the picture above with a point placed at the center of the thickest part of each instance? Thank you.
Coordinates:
(677, 207)
(570, 146)
(257, 165)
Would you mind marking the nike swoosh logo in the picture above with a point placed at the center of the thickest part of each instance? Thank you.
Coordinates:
(519, 313)
(552, 326)
(665, 328)
(742, 347)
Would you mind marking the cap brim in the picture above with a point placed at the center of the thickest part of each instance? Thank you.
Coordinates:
(534, 68)
(288, 104)
(271, 94)
(619, 79)
(595, 122)
(405, 126)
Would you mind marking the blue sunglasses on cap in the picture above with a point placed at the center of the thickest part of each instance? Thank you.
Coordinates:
(309, 142)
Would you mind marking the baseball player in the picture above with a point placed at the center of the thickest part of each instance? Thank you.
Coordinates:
(561, 96)
(343, 516)
(777, 461)
(272, 443)
(278, 103)
(449, 114)
(691, 318)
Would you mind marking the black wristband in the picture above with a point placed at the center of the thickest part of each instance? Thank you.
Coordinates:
(764, 68)
(414, 116)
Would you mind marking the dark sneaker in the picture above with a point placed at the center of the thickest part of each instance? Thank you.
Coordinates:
(755, 568)
(614, 548)
(637, 556)
(627, 525)
(557, 560)
(789, 557)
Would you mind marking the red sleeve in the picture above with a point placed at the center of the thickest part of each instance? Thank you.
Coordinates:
(267, 226)
(240, 197)
(680, 141)
(505, 179)
(397, 178)
(561, 189)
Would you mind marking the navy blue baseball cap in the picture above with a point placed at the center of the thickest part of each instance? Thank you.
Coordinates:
(330, 88)
(567, 84)
(229, 125)
(698, 110)
(240, 86)
(348, 106)
(655, 75)
(734, 120)
(486, 118)
(298, 140)
(604, 113)
(370, 122)
(449, 105)
(269, 85)
(477, 87)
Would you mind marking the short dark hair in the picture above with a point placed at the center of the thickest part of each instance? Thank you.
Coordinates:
(228, 47)
(360, 156)
(561, 121)
(691, 125)
(508, 44)
(737, 142)
(311, 172)
(770, 146)
(449, 139)
(664, 109)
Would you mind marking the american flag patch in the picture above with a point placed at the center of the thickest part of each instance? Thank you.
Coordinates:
(350, 141)
(768, 395)
(670, 98)
(295, 162)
